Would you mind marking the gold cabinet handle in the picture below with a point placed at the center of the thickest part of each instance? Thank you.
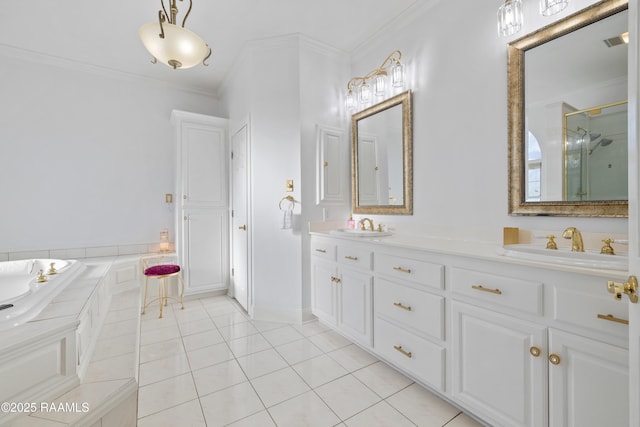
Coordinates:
(483, 289)
(554, 359)
(402, 270)
(630, 287)
(321, 251)
(243, 227)
(535, 351)
(612, 318)
(404, 352)
(404, 307)
(352, 258)
(335, 279)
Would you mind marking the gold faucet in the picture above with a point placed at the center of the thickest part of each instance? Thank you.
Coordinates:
(41, 277)
(363, 227)
(576, 239)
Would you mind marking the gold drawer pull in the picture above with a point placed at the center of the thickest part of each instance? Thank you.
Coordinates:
(401, 350)
(335, 279)
(324, 251)
(535, 351)
(402, 270)
(612, 318)
(352, 258)
(404, 307)
(554, 359)
(483, 289)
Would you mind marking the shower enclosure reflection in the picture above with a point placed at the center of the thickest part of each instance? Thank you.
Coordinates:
(595, 153)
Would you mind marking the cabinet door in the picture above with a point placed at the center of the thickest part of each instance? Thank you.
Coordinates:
(589, 386)
(354, 297)
(494, 373)
(323, 291)
(205, 251)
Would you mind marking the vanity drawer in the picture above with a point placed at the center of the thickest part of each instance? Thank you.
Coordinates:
(412, 308)
(516, 294)
(595, 312)
(355, 257)
(412, 270)
(412, 354)
(323, 249)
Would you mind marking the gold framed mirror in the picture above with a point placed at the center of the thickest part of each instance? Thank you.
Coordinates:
(382, 157)
(575, 64)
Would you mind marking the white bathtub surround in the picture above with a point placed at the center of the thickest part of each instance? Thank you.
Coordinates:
(85, 252)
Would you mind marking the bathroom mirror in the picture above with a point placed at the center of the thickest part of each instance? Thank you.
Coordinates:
(382, 158)
(578, 64)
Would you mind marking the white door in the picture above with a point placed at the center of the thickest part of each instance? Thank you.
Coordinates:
(369, 183)
(634, 213)
(239, 220)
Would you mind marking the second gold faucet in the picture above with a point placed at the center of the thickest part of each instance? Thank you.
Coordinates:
(576, 239)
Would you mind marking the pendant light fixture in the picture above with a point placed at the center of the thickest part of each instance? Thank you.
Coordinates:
(173, 44)
(361, 91)
(510, 17)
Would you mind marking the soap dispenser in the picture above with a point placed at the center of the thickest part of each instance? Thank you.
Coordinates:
(351, 224)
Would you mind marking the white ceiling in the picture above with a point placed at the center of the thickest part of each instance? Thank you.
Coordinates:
(104, 33)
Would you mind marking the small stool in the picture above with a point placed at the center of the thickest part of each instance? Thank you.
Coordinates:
(162, 272)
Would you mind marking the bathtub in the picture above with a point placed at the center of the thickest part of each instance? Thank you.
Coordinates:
(21, 293)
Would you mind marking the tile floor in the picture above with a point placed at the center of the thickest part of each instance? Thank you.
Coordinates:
(208, 365)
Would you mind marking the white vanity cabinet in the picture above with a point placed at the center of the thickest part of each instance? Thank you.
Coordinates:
(342, 288)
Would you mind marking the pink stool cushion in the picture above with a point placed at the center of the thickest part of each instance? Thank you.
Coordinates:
(162, 270)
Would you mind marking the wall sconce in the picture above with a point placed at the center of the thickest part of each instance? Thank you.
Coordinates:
(510, 16)
(173, 44)
(164, 240)
(360, 90)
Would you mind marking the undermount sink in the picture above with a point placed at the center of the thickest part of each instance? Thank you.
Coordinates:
(361, 233)
(589, 259)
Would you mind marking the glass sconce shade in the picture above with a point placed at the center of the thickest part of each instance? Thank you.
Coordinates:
(397, 75)
(365, 93)
(180, 48)
(551, 7)
(350, 100)
(380, 85)
(510, 17)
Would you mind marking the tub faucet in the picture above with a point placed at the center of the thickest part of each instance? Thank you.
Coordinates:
(576, 239)
(363, 227)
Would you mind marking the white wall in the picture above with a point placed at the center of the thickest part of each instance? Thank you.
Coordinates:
(457, 71)
(86, 155)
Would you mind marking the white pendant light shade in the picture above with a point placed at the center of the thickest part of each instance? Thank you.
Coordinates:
(380, 85)
(350, 100)
(551, 7)
(510, 17)
(397, 75)
(180, 48)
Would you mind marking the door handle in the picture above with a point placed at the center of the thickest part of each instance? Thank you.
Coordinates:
(243, 227)
(630, 287)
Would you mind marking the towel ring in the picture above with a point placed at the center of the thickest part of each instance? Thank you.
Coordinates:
(289, 198)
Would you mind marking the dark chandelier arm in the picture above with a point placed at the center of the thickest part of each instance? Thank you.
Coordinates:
(165, 12)
(187, 15)
(161, 18)
(207, 57)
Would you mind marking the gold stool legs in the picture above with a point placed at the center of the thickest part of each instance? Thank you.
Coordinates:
(163, 293)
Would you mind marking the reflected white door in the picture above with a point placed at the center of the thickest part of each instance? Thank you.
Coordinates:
(239, 221)
(369, 185)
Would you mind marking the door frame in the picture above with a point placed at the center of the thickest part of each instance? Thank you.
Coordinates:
(234, 127)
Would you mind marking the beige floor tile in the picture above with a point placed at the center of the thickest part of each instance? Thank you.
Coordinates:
(185, 414)
(161, 334)
(229, 319)
(161, 350)
(165, 394)
(279, 386)
(217, 377)
(261, 419)
(202, 339)
(298, 351)
(161, 369)
(422, 407)
(382, 379)
(379, 415)
(248, 345)
(305, 410)
(329, 341)
(208, 356)
(319, 370)
(231, 404)
(237, 330)
(264, 326)
(311, 328)
(257, 364)
(195, 326)
(282, 335)
(347, 396)
(463, 420)
(352, 357)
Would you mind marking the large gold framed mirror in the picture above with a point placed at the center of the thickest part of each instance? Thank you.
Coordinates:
(382, 158)
(567, 85)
